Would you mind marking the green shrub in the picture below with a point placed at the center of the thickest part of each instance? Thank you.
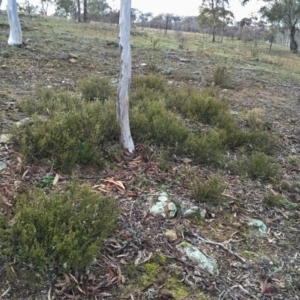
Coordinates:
(164, 161)
(251, 140)
(254, 121)
(209, 191)
(262, 141)
(206, 148)
(145, 94)
(152, 82)
(221, 77)
(96, 88)
(49, 101)
(77, 134)
(151, 121)
(200, 105)
(259, 166)
(279, 201)
(63, 230)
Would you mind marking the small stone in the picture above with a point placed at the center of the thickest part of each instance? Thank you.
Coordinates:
(5, 138)
(143, 64)
(234, 113)
(171, 235)
(190, 212)
(2, 165)
(72, 55)
(162, 198)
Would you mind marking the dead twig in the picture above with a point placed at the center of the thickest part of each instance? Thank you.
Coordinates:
(221, 245)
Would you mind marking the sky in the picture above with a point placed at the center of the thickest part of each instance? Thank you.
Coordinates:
(187, 7)
(176, 7)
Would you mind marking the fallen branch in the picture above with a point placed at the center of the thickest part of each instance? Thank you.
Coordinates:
(221, 245)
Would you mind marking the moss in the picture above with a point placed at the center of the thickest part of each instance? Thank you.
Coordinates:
(152, 269)
(162, 259)
(249, 254)
(178, 289)
(133, 272)
(186, 245)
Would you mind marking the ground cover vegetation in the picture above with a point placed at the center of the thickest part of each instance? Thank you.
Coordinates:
(215, 126)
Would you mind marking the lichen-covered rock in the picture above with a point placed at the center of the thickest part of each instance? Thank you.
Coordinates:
(164, 207)
(196, 255)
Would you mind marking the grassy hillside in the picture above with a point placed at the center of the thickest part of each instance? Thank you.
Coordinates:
(216, 127)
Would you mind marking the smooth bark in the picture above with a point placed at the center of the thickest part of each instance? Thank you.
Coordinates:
(125, 76)
(15, 34)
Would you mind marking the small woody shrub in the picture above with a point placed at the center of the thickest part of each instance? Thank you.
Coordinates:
(62, 231)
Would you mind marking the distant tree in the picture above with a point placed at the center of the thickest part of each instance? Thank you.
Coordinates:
(125, 76)
(190, 24)
(15, 34)
(144, 18)
(157, 21)
(226, 17)
(27, 7)
(78, 11)
(44, 6)
(245, 22)
(85, 11)
(98, 9)
(242, 24)
(135, 14)
(64, 8)
(286, 12)
(214, 14)
(270, 36)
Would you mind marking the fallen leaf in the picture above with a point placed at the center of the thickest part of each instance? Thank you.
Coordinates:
(24, 174)
(117, 182)
(186, 160)
(266, 289)
(55, 180)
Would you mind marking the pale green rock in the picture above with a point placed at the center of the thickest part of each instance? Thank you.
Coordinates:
(196, 255)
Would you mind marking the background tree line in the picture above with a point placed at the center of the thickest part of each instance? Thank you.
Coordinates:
(279, 21)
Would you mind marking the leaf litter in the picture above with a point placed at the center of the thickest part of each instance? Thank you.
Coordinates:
(251, 265)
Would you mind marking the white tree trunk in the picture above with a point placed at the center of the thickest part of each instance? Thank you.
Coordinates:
(125, 76)
(15, 35)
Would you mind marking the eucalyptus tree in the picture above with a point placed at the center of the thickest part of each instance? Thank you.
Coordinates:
(214, 14)
(285, 12)
(98, 9)
(145, 18)
(65, 8)
(15, 33)
(125, 76)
